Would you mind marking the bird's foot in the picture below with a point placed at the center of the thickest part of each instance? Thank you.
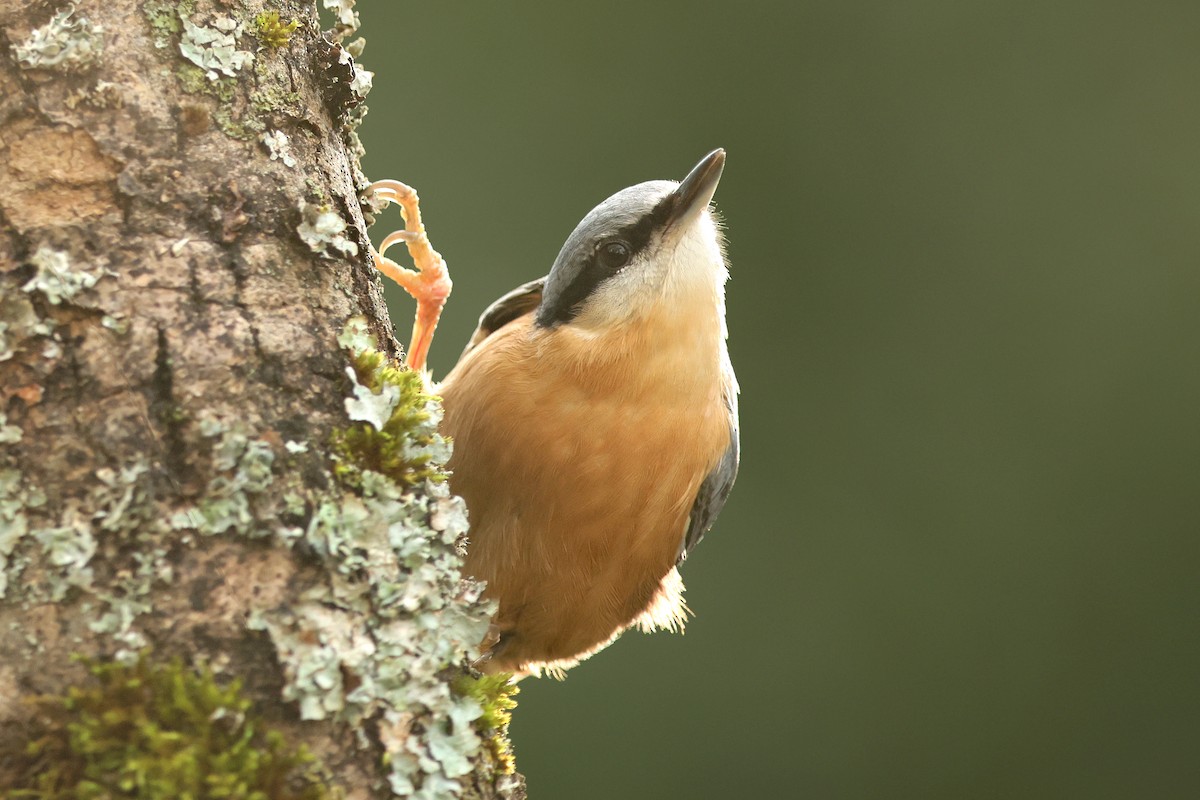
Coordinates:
(429, 284)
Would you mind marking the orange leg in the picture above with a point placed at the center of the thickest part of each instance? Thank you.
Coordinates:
(429, 284)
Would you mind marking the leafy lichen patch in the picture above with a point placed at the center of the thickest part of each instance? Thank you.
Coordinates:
(19, 321)
(16, 500)
(394, 614)
(346, 19)
(279, 147)
(56, 278)
(321, 228)
(214, 48)
(9, 434)
(218, 60)
(242, 469)
(375, 639)
(50, 552)
(65, 42)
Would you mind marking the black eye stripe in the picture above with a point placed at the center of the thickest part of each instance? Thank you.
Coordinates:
(638, 234)
(562, 304)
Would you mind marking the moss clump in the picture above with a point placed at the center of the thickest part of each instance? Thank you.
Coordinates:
(272, 31)
(269, 97)
(396, 433)
(160, 732)
(193, 80)
(494, 693)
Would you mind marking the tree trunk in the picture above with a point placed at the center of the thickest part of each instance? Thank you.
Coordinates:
(182, 256)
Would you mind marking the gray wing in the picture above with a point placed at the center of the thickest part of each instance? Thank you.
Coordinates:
(710, 499)
(518, 302)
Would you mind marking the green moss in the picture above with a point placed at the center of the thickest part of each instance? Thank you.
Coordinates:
(273, 98)
(392, 435)
(193, 80)
(214, 66)
(245, 128)
(158, 731)
(494, 693)
(272, 31)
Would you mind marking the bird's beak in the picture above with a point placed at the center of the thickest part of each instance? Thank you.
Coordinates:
(696, 192)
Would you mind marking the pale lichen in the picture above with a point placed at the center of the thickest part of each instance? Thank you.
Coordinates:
(495, 694)
(19, 321)
(394, 614)
(373, 635)
(65, 42)
(57, 279)
(213, 67)
(362, 81)
(118, 520)
(217, 59)
(16, 500)
(345, 17)
(396, 418)
(279, 147)
(321, 228)
(128, 519)
(242, 467)
(375, 640)
(116, 324)
(214, 49)
(68, 549)
(9, 434)
(372, 407)
(194, 80)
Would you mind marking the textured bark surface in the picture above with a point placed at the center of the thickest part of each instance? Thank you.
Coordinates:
(159, 304)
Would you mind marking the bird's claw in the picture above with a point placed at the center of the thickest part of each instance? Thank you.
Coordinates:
(429, 284)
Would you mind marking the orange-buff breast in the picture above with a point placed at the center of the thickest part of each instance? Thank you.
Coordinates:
(579, 459)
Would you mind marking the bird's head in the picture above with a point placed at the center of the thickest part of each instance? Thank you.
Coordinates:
(650, 246)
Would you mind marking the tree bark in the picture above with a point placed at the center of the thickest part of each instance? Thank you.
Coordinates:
(182, 245)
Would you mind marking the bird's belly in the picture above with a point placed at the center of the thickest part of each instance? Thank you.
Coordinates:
(578, 502)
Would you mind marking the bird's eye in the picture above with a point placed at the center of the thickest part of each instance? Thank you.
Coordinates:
(614, 255)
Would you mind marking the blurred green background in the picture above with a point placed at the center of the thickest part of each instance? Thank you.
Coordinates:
(962, 558)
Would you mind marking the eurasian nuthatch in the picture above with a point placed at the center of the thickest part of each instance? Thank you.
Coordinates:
(594, 419)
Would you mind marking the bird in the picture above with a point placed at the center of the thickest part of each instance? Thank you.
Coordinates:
(594, 419)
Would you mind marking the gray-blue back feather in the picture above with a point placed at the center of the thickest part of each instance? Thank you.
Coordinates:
(517, 303)
(714, 491)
